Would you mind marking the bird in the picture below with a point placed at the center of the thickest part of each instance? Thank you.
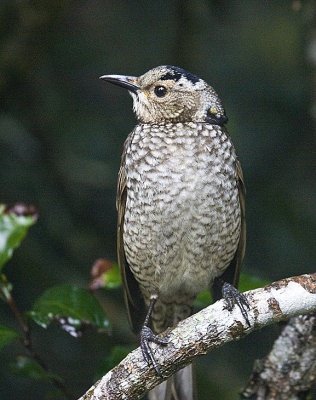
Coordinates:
(181, 209)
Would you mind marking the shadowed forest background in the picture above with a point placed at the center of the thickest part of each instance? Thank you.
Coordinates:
(61, 136)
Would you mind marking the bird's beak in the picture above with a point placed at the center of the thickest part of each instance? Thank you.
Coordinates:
(127, 82)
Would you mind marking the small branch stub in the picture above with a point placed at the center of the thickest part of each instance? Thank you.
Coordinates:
(208, 329)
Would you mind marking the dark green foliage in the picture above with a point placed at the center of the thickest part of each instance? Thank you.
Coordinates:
(28, 368)
(250, 282)
(13, 228)
(112, 278)
(71, 306)
(105, 274)
(7, 336)
(116, 355)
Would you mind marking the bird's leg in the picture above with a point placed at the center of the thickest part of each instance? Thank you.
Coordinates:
(233, 295)
(147, 335)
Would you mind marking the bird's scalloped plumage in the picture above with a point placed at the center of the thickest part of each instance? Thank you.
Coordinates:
(180, 197)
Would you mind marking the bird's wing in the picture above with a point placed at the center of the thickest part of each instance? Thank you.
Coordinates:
(231, 274)
(132, 295)
(239, 256)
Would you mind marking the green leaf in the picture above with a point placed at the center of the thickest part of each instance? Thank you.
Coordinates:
(112, 278)
(7, 335)
(105, 274)
(251, 282)
(246, 282)
(116, 355)
(13, 228)
(29, 368)
(72, 307)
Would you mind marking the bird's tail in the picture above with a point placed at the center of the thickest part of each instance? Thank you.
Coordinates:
(179, 387)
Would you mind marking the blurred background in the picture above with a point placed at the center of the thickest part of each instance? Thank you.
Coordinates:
(62, 131)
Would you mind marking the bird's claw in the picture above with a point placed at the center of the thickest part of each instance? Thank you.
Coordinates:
(232, 295)
(146, 336)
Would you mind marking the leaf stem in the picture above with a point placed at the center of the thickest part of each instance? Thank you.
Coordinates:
(6, 292)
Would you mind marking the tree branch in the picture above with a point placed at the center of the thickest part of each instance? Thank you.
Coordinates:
(208, 329)
(289, 370)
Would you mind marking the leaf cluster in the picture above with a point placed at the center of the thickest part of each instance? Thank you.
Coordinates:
(72, 308)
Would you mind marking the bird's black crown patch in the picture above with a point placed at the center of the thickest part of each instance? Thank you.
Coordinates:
(177, 73)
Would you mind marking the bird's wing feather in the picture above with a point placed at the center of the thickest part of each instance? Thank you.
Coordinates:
(232, 273)
(132, 295)
(240, 253)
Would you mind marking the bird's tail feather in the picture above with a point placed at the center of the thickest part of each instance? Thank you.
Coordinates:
(179, 387)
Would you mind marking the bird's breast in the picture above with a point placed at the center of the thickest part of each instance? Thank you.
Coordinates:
(182, 213)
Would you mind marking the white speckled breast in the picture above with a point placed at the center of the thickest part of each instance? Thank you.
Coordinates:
(182, 217)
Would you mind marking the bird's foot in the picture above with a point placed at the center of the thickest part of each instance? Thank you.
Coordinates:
(233, 295)
(146, 336)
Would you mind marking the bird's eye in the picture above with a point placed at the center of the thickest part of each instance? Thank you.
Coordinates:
(160, 91)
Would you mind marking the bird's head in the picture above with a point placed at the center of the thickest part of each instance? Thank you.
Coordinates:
(171, 94)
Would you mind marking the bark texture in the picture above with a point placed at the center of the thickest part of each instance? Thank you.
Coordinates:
(289, 370)
(208, 329)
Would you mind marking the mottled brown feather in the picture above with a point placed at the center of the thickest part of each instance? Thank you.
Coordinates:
(240, 253)
(133, 299)
(232, 273)
(134, 302)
